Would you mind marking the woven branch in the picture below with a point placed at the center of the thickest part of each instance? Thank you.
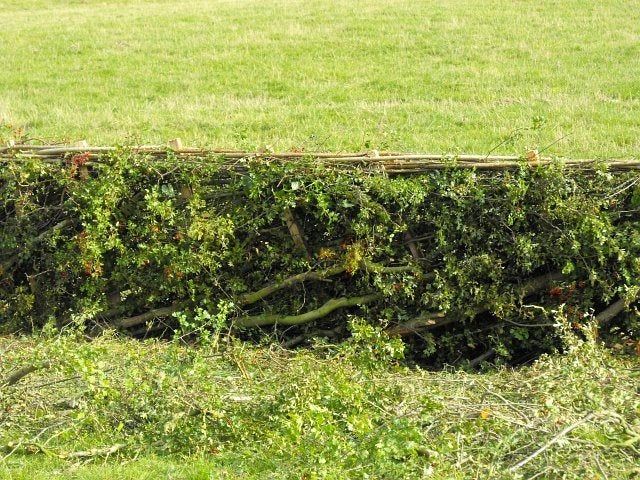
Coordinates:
(389, 162)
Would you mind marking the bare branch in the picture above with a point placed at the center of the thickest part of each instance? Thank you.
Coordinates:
(22, 372)
(431, 320)
(145, 317)
(11, 261)
(323, 311)
(609, 313)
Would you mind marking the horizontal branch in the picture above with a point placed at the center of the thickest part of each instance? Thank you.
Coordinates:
(365, 264)
(323, 311)
(145, 317)
(612, 311)
(253, 297)
(431, 320)
(422, 322)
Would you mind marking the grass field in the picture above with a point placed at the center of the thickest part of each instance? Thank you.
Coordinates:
(444, 76)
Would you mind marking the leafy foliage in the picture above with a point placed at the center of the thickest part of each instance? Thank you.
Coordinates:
(98, 243)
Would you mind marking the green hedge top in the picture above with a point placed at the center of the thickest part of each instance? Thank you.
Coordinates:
(460, 262)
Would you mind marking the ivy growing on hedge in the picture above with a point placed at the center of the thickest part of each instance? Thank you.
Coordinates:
(460, 263)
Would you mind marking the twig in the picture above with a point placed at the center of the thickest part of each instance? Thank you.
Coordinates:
(95, 452)
(551, 442)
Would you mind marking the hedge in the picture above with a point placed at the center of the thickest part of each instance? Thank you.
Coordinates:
(463, 264)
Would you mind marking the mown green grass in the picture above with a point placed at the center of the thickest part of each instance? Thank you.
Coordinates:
(339, 412)
(390, 74)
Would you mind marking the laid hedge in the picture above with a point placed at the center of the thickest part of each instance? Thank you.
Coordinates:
(461, 263)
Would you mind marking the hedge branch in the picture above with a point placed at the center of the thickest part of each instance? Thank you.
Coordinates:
(310, 316)
(243, 300)
(609, 313)
(11, 261)
(429, 320)
(145, 317)
(253, 297)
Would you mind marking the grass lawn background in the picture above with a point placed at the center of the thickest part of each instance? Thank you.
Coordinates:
(446, 76)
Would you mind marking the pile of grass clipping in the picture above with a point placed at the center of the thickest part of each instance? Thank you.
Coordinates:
(153, 409)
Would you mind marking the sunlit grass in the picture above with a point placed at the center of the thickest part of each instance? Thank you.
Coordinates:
(390, 74)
